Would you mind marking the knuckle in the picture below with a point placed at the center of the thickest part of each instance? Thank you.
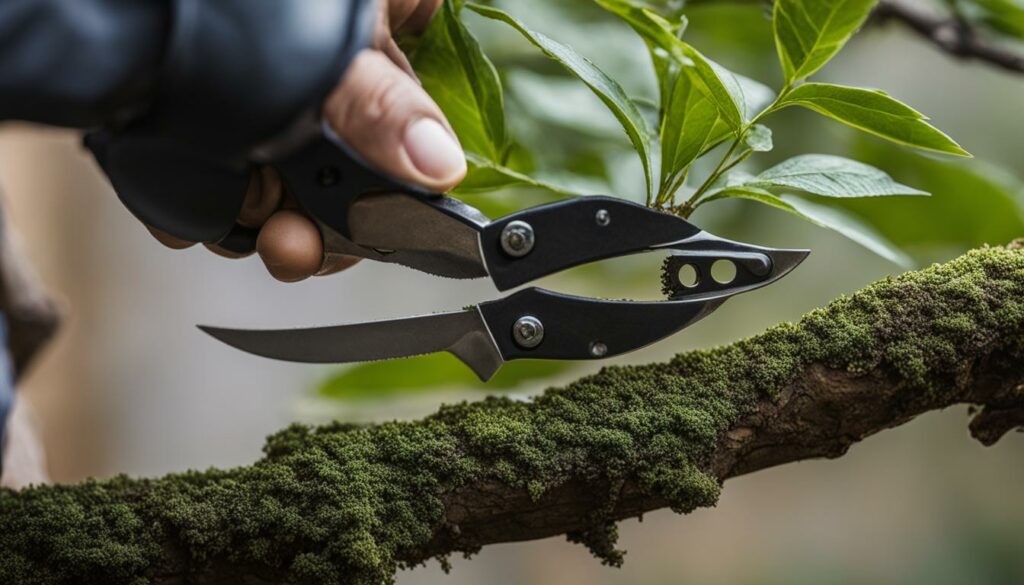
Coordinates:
(378, 103)
(386, 100)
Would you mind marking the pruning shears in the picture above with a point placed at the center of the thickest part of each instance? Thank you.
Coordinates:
(365, 213)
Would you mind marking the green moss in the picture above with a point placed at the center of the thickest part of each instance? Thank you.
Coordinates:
(339, 504)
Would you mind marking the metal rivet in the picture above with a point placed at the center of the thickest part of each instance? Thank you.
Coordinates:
(528, 332)
(603, 218)
(328, 177)
(598, 349)
(517, 239)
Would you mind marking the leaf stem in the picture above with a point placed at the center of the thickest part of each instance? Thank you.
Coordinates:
(722, 166)
(670, 187)
(725, 165)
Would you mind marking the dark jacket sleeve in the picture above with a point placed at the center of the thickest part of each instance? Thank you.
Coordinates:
(183, 95)
(79, 63)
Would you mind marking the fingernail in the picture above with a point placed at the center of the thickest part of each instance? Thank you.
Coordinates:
(433, 150)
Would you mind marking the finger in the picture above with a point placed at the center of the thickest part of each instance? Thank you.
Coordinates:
(412, 16)
(225, 253)
(392, 122)
(290, 246)
(262, 199)
(397, 56)
(169, 240)
(335, 263)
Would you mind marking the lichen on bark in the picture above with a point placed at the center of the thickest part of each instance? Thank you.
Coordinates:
(345, 504)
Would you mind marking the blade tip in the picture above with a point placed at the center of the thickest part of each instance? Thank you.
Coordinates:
(787, 260)
(218, 333)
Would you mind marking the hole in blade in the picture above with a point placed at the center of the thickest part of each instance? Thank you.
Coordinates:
(689, 276)
(723, 271)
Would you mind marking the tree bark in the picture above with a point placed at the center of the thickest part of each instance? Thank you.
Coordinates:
(924, 341)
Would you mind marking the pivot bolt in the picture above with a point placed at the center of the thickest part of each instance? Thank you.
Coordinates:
(603, 217)
(517, 239)
(598, 349)
(528, 332)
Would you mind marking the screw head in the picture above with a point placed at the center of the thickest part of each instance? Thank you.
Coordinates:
(517, 239)
(528, 332)
(328, 177)
(598, 349)
(603, 217)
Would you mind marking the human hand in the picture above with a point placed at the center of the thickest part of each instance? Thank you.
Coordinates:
(382, 112)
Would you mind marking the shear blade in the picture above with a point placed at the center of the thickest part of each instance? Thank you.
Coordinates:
(439, 236)
(464, 334)
(754, 267)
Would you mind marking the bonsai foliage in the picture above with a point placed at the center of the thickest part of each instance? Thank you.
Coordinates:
(706, 122)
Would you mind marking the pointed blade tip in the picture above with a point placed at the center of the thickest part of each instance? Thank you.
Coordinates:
(218, 333)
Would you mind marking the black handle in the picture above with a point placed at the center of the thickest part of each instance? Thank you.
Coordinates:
(571, 233)
(326, 176)
(578, 328)
(240, 240)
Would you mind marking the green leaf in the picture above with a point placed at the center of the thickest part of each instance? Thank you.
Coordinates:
(721, 84)
(718, 83)
(557, 100)
(832, 218)
(972, 203)
(484, 175)
(832, 176)
(759, 138)
(843, 222)
(693, 125)
(654, 28)
(751, 193)
(702, 102)
(808, 33)
(464, 83)
(428, 373)
(606, 88)
(874, 112)
(828, 217)
(756, 95)
(656, 32)
(690, 127)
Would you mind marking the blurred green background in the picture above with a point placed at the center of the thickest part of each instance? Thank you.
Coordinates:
(132, 387)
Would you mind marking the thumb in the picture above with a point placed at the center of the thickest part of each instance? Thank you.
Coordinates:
(387, 117)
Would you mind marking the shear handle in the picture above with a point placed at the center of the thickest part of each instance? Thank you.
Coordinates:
(579, 328)
(571, 233)
(326, 176)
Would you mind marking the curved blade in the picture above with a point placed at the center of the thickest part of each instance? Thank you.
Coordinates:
(463, 334)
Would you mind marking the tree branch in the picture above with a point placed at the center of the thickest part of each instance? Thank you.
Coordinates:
(950, 34)
(351, 504)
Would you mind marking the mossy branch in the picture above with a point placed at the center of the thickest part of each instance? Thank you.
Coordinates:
(352, 504)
